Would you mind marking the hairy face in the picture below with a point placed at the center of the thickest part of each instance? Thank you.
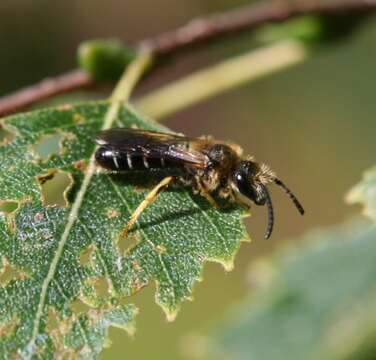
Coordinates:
(250, 179)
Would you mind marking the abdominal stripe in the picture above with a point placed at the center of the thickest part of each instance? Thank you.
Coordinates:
(145, 162)
(124, 161)
(114, 158)
(129, 162)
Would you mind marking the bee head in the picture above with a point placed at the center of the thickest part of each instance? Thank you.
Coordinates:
(251, 180)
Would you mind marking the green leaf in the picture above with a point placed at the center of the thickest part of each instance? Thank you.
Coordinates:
(88, 333)
(314, 30)
(104, 59)
(306, 28)
(54, 276)
(320, 303)
(364, 193)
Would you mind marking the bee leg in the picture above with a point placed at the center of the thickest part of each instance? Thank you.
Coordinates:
(149, 199)
(211, 200)
(227, 195)
(202, 189)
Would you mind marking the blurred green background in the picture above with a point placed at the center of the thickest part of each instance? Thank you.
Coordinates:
(314, 124)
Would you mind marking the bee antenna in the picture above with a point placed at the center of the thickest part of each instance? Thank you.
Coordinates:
(269, 204)
(291, 195)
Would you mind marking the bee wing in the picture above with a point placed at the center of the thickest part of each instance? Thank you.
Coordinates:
(154, 145)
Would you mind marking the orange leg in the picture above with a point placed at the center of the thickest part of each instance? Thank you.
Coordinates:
(149, 199)
(206, 194)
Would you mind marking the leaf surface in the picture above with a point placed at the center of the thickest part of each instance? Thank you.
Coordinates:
(364, 193)
(321, 303)
(61, 287)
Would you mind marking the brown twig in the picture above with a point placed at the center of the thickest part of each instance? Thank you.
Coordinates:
(248, 17)
(48, 88)
(195, 32)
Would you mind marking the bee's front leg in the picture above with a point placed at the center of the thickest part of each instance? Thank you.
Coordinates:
(200, 188)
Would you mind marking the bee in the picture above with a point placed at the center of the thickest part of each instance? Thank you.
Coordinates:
(213, 169)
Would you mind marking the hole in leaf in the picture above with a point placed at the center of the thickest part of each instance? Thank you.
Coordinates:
(8, 328)
(57, 327)
(86, 255)
(55, 186)
(89, 296)
(102, 287)
(79, 307)
(6, 135)
(53, 321)
(125, 245)
(10, 273)
(8, 207)
(48, 145)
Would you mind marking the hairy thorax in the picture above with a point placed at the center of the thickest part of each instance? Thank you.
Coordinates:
(217, 177)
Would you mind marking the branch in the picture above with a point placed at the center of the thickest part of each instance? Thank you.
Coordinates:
(248, 17)
(46, 89)
(195, 32)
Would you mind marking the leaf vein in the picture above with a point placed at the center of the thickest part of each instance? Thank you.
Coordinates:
(82, 330)
(120, 95)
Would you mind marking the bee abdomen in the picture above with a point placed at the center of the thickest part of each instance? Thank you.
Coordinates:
(122, 161)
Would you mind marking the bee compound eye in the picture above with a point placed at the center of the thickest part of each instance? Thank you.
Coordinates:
(248, 188)
(239, 177)
(244, 185)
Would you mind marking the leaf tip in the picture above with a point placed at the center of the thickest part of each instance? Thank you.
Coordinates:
(131, 328)
(246, 239)
(170, 313)
(227, 264)
(353, 196)
(364, 193)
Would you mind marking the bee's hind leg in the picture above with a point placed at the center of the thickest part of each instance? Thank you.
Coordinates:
(149, 199)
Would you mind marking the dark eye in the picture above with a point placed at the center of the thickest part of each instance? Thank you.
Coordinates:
(244, 185)
(247, 188)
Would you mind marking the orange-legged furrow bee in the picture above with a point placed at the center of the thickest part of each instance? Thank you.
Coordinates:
(212, 168)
